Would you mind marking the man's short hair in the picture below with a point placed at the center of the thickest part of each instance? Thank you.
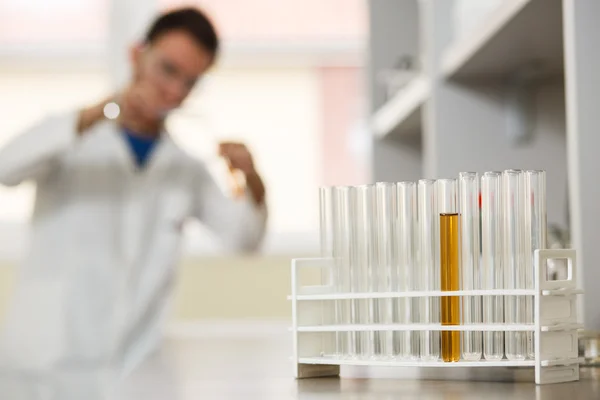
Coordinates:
(190, 20)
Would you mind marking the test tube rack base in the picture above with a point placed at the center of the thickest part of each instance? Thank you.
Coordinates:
(555, 325)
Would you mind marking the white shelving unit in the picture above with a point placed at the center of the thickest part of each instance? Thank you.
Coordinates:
(520, 88)
(402, 114)
(517, 34)
(555, 325)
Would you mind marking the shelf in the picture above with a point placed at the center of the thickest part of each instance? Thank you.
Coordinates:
(561, 292)
(394, 363)
(561, 327)
(432, 293)
(401, 115)
(557, 363)
(519, 34)
(419, 327)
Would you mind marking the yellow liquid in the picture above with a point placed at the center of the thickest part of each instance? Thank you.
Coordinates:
(449, 230)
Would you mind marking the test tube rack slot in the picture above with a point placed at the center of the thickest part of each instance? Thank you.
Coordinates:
(555, 325)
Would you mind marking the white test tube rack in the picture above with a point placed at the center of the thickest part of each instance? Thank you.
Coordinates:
(555, 324)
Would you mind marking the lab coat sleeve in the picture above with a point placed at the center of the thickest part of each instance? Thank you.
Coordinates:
(239, 223)
(36, 153)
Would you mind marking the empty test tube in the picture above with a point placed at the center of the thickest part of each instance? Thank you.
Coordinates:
(535, 237)
(342, 268)
(347, 204)
(365, 264)
(326, 220)
(386, 260)
(515, 268)
(327, 231)
(492, 269)
(407, 269)
(429, 309)
(469, 216)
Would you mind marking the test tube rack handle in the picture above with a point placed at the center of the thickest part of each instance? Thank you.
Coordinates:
(555, 324)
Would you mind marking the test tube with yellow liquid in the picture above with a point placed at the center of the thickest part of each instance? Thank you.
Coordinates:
(449, 266)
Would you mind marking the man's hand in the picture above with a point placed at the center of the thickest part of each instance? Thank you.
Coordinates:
(239, 158)
(142, 109)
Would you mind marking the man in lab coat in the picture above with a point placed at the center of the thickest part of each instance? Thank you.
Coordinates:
(111, 199)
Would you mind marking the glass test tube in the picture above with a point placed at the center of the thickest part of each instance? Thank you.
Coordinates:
(326, 220)
(449, 235)
(429, 309)
(515, 274)
(342, 270)
(387, 261)
(491, 245)
(407, 272)
(468, 183)
(535, 237)
(327, 230)
(350, 281)
(375, 341)
(365, 262)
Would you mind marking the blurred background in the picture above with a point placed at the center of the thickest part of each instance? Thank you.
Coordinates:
(329, 92)
(290, 84)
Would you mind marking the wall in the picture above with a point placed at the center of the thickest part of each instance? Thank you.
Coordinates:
(394, 32)
(214, 288)
(472, 136)
(233, 287)
(345, 141)
(276, 112)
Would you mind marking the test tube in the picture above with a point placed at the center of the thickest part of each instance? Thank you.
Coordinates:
(365, 263)
(535, 237)
(375, 338)
(429, 309)
(449, 265)
(350, 279)
(326, 220)
(386, 261)
(407, 270)
(342, 270)
(515, 278)
(327, 231)
(491, 245)
(472, 343)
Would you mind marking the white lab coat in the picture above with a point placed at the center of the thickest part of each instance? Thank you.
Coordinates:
(95, 284)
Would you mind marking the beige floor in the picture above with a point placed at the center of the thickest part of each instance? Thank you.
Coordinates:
(254, 366)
